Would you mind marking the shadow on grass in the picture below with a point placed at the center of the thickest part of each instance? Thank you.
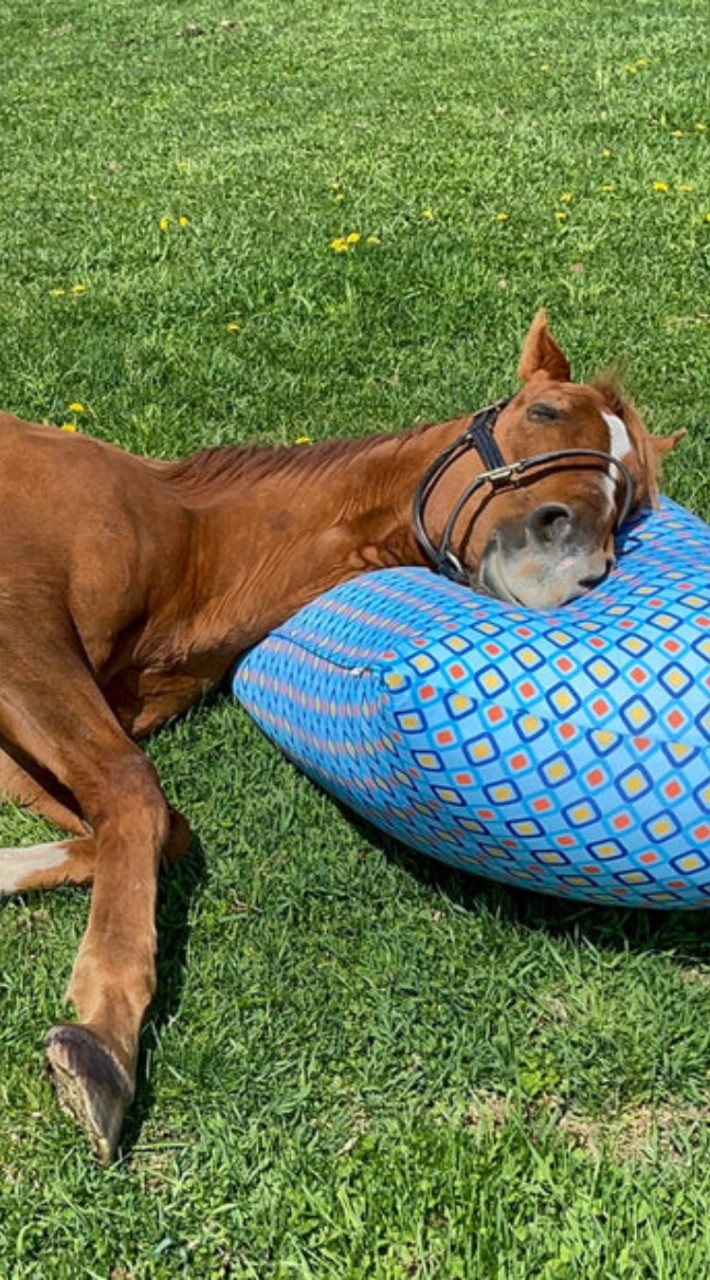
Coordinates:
(684, 935)
(179, 889)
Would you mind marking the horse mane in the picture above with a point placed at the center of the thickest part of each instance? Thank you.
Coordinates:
(200, 476)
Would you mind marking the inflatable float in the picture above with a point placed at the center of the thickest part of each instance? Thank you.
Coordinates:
(566, 751)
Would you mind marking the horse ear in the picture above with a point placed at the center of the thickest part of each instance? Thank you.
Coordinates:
(541, 354)
(662, 445)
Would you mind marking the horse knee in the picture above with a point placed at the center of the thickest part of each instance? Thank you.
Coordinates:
(129, 794)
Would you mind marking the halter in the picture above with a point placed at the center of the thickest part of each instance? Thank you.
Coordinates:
(500, 475)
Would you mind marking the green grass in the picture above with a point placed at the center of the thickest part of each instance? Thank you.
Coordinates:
(359, 1065)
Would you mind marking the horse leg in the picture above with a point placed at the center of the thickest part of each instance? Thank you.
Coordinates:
(36, 867)
(38, 793)
(47, 865)
(78, 740)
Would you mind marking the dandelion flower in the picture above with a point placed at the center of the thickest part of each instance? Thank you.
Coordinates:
(560, 214)
(57, 293)
(701, 128)
(339, 245)
(339, 195)
(661, 186)
(428, 215)
(566, 197)
(606, 153)
(78, 288)
(163, 224)
(685, 187)
(353, 238)
(234, 328)
(631, 68)
(184, 222)
(607, 189)
(676, 133)
(303, 440)
(501, 217)
(707, 217)
(76, 407)
(68, 426)
(373, 240)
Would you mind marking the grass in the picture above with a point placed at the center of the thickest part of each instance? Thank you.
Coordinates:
(359, 1065)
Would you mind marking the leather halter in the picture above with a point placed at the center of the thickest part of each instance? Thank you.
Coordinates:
(499, 475)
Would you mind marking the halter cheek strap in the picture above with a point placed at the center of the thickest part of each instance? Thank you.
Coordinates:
(499, 475)
(480, 434)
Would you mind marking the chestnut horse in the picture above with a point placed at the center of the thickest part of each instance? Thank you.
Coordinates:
(129, 586)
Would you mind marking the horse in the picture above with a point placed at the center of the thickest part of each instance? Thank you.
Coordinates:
(128, 586)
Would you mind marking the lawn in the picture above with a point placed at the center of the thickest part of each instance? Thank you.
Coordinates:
(359, 1065)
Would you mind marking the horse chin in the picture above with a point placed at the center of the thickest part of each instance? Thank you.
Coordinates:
(537, 582)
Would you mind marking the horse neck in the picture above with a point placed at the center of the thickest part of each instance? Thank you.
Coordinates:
(291, 523)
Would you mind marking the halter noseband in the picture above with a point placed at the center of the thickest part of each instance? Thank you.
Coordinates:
(500, 475)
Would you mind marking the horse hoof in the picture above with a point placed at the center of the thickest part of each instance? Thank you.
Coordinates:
(91, 1085)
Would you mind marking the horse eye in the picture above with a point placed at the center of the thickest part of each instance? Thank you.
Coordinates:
(541, 412)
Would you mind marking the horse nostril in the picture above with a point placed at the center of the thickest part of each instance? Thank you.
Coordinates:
(550, 524)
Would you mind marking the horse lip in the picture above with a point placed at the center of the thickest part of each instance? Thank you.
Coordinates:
(495, 585)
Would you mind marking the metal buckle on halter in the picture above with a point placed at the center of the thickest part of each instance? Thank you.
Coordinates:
(502, 475)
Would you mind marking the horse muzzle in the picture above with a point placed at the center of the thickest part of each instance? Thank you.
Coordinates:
(545, 559)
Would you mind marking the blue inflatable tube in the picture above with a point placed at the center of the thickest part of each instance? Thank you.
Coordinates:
(566, 751)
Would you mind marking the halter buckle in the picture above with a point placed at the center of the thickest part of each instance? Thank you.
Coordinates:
(503, 475)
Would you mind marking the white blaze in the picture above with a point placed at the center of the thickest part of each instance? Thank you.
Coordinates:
(619, 446)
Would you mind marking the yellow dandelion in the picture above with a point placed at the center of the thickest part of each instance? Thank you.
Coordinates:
(68, 426)
(544, 66)
(631, 68)
(234, 328)
(560, 214)
(340, 195)
(428, 215)
(566, 197)
(661, 186)
(641, 62)
(76, 407)
(707, 217)
(339, 245)
(354, 237)
(606, 153)
(701, 128)
(303, 440)
(184, 222)
(57, 293)
(163, 224)
(685, 187)
(676, 133)
(79, 288)
(373, 240)
(607, 189)
(501, 217)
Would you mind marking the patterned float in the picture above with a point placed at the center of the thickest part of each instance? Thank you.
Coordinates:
(567, 751)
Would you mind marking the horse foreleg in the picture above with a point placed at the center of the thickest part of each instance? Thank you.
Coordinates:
(78, 740)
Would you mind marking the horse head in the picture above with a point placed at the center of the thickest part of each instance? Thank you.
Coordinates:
(565, 464)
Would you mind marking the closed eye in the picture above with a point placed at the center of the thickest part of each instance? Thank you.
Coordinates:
(543, 412)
